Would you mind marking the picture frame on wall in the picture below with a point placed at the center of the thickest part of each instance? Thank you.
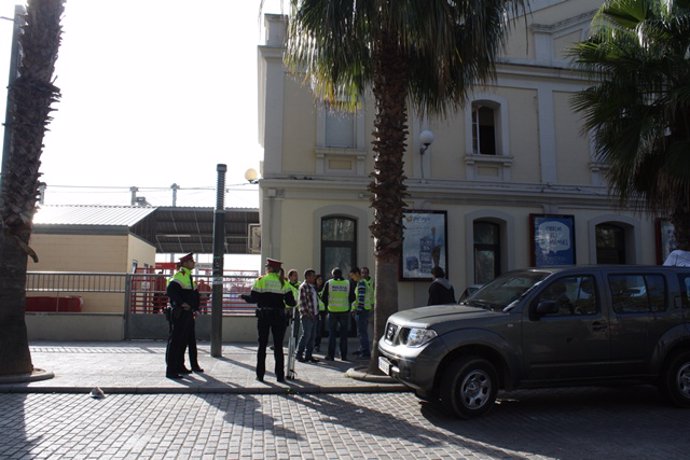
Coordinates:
(424, 244)
(665, 239)
(552, 240)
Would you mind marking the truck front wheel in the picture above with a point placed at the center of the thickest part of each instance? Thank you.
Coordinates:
(676, 379)
(469, 387)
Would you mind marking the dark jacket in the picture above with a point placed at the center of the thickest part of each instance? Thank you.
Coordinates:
(441, 292)
(178, 296)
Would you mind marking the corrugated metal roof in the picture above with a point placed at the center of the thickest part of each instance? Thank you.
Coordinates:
(91, 215)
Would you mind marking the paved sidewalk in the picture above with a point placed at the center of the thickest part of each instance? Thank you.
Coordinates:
(139, 367)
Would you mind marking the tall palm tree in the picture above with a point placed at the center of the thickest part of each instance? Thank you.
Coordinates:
(639, 109)
(31, 96)
(425, 53)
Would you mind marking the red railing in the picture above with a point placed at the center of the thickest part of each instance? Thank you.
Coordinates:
(143, 293)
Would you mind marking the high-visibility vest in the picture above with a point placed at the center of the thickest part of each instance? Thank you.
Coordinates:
(369, 297)
(322, 306)
(295, 293)
(184, 278)
(270, 283)
(338, 296)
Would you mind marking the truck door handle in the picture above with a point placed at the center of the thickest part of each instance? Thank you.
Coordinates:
(599, 325)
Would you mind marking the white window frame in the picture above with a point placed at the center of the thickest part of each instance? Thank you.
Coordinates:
(502, 161)
(354, 156)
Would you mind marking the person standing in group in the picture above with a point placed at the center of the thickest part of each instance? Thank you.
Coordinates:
(321, 320)
(271, 293)
(293, 281)
(336, 296)
(370, 300)
(184, 302)
(440, 291)
(309, 317)
(361, 307)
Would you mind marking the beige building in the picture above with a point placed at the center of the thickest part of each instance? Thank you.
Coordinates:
(507, 182)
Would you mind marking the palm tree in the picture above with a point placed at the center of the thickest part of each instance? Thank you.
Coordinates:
(31, 96)
(427, 54)
(639, 110)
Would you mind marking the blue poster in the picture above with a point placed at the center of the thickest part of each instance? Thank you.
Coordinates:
(554, 240)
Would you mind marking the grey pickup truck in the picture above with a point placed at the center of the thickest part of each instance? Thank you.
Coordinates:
(546, 327)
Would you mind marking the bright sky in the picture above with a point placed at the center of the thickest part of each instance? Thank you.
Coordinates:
(154, 92)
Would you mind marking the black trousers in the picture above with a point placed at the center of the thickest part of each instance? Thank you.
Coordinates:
(181, 323)
(271, 321)
(191, 346)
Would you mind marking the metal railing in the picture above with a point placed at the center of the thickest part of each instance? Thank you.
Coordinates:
(142, 293)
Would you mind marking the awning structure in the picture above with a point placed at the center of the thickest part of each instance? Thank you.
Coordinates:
(169, 229)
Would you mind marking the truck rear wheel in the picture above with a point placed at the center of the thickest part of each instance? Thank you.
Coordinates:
(469, 387)
(676, 379)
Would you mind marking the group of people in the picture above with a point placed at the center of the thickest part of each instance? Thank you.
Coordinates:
(317, 303)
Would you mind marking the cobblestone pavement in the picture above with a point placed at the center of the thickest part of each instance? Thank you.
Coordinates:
(588, 423)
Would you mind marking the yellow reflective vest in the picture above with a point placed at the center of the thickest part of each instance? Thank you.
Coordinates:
(338, 296)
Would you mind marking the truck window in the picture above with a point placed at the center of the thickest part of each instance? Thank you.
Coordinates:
(684, 281)
(574, 295)
(637, 293)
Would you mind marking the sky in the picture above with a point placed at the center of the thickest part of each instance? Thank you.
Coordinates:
(154, 92)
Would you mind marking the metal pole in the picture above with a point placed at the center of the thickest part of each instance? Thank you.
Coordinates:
(218, 253)
(19, 22)
(174, 188)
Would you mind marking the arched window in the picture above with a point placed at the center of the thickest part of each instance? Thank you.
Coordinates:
(610, 244)
(487, 251)
(338, 244)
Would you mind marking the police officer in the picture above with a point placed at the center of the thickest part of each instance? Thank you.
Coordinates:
(271, 293)
(184, 301)
(337, 297)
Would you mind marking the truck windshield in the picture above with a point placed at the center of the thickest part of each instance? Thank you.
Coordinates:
(501, 292)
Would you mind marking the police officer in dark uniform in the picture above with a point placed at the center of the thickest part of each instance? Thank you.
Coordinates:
(184, 301)
(271, 293)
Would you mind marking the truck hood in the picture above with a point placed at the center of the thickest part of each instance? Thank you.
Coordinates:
(443, 317)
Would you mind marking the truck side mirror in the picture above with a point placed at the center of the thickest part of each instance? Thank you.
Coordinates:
(544, 307)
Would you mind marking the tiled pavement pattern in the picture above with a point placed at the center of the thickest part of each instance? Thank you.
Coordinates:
(139, 367)
(606, 423)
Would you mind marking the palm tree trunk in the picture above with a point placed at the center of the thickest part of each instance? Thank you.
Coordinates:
(15, 358)
(30, 99)
(387, 186)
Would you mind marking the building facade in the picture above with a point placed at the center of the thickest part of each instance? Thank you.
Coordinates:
(509, 181)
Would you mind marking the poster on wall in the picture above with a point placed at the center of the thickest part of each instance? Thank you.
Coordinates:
(552, 239)
(665, 239)
(424, 244)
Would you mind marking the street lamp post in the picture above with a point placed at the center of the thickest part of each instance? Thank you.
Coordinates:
(218, 253)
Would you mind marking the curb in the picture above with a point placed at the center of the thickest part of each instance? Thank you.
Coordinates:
(35, 376)
(199, 390)
(360, 373)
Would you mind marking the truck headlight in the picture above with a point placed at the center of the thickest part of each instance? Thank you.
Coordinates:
(417, 336)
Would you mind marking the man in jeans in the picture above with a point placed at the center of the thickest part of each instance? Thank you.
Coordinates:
(309, 314)
(336, 296)
(360, 309)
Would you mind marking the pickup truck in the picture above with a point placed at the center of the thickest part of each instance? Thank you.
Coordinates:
(546, 327)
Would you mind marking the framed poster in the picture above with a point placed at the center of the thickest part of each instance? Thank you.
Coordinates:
(665, 240)
(552, 240)
(424, 244)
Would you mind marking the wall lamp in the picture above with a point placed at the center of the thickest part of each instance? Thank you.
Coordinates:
(426, 138)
